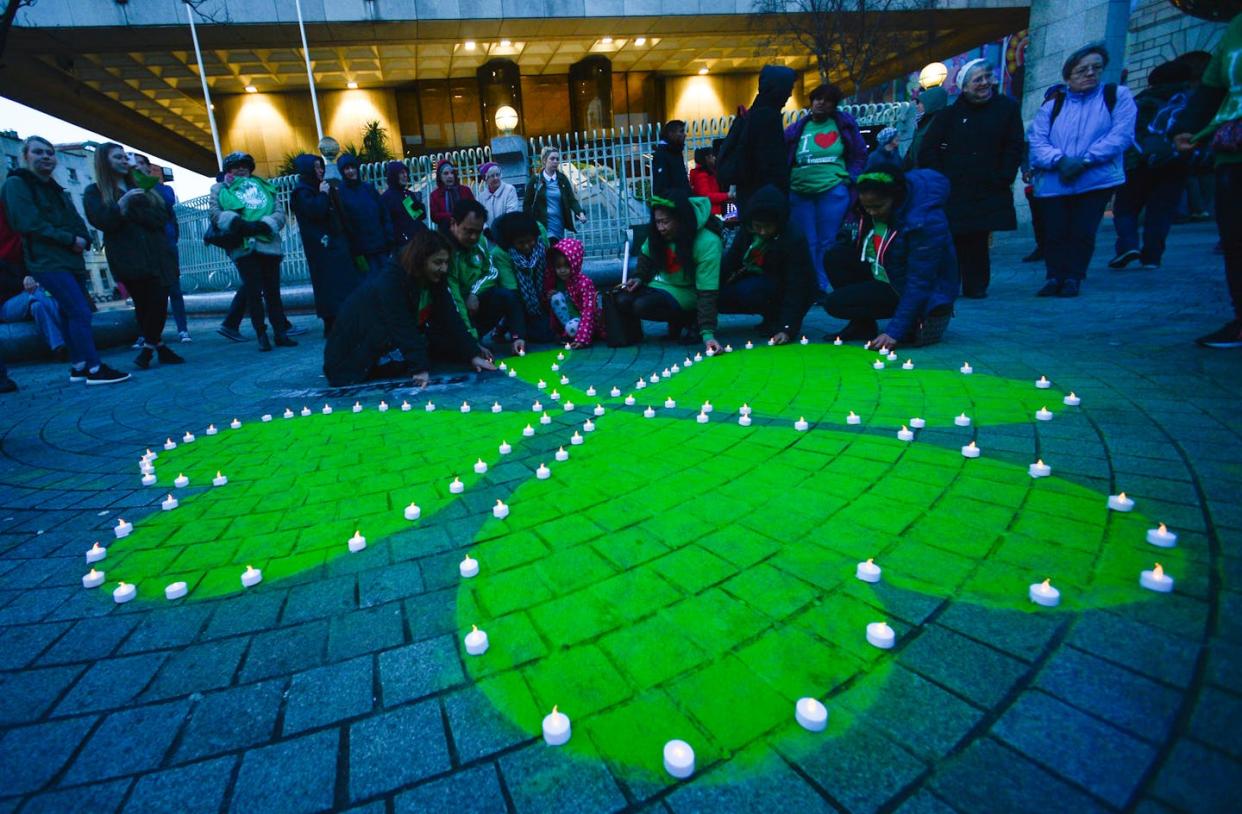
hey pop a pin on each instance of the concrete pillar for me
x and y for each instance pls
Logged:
(1057, 29)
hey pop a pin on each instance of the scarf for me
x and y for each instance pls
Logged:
(529, 277)
(253, 198)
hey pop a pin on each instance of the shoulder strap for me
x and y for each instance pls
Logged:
(1058, 102)
(1110, 96)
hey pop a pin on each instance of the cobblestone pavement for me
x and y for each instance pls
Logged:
(344, 686)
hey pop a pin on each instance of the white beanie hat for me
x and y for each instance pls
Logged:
(964, 72)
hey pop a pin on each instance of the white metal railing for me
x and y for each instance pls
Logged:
(610, 171)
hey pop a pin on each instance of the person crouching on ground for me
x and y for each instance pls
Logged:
(678, 275)
(520, 256)
(899, 263)
(571, 295)
(398, 319)
(484, 305)
(767, 269)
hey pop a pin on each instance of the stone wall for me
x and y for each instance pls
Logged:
(1159, 32)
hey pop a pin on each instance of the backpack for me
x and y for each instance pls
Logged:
(10, 241)
(1058, 102)
(729, 156)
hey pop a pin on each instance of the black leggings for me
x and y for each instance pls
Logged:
(973, 261)
(150, 297)
(856, 293)
(654, 305)
(260, 275)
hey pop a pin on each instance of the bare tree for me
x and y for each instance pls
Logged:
(7, 17)
(852, 40)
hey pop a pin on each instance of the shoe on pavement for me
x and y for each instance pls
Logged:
(264, 344)
(1051, 289)
(1035, 256)
(855, 329)
(105, 375)
(283, 341)
(294, 330)
(1124, 259)
(1069, 288)
(168, 356)
(184, 336)
(140, 344)
(1150, 267)
(230, 333)
(7, 385)
(77, 374)
(143, 359)
(1228, 336)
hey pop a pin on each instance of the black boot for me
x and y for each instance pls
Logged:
(168, 356)
(283, 341)
(143, 359)
(856, 329)
(264, 344)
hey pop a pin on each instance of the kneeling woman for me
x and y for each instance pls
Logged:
(678, 277)
(899, 262)
(396, 320)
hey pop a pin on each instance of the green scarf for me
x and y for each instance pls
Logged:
(252, 198)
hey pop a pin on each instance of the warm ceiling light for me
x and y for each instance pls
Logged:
(251, 89)
(606, 40)
(640, 41)
(702, 71)
(469, 45)
(352, 85)
(505, 43)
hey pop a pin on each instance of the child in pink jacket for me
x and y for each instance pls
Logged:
(571, 295)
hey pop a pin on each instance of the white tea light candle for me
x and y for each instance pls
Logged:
(456, 487)
(811, 715)
(1158, 537)
(962, 420)
(918, 423)
(1039, 469)
(500, 511)
(468, 567)
(169, 503)
(1120, 503)
(413, 512)
(556, 728)
(220, 479)
(678, 759)
(96, 553)
(181, 481)
(476, 641)
(1072, 400)
(971, 450)
(124, 593)
(1156, 580)
(251, 577)
(357, 542)
(880, 635)
(175, 590)
(1042, 593)
(92, 579)
(868, 571)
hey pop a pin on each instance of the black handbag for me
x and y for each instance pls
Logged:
(620, 329)
(221, 238)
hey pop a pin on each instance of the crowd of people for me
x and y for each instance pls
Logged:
(867, 235)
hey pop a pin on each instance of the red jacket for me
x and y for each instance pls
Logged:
(441, 208)
(704, 184)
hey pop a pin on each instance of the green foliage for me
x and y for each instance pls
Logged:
(374, 143)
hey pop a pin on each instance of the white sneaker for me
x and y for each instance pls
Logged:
(139, 345)
(185, 336)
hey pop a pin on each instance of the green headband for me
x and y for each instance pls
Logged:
(878, 177)
(656, 200)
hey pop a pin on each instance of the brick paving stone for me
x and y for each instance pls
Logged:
(111, 683)
(25, 696)
(365, 631)
(1200, 779)
(195, 789)
(129, 741)
(776, 788)
(411, 672)
(1217, 720)
(469, 791)
(1027, 788)
(293, 776)
(44, 748)
(548, 781)
(478, 728)
(245, 614)
(905, 696)
(283, 651)
(197, 669)
(173, 627)
(925, 803)
(20, 644)
(980, 673)
(90, 639)
(328, 694)
(392, 749)
(232, 719)
(92, 799)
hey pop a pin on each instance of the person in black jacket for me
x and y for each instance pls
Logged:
(767, 269)
(405, 209)
(366, 219)
(324, 239)
(399, 318)
(977, 142)
(763, 158)
(668, 159)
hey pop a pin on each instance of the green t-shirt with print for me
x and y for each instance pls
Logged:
(819, 161)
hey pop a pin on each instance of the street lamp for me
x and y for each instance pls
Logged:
(506, 120)
(933, 75)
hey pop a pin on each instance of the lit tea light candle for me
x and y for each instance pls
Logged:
(502, 366)
(465, 407)
(169, 503)
(1120, 503)
(188, 438)
(892, 357)
(528, 431)
(124, 593)
(701, 418)
(678, 759)
(801, 425)
(220, 479)
(480, 467)
(588, 426)
(413, 512)
(878, 364)
(962, 420)
(456, 487)
(536, 407)
(1154, 580)
(880, 635)
(235, 424)
(971, 450)
(383, 407)
(904, 434)
(1042, 383)
(615, 392)
(96, 553)
(1159, 537)
(556, 728)
(327, 409)
(357, 542)
(512, 373)
(675, 368)
(545, 419)
(1042, 593)
(837, 341)
(743, 420)
(640, 384)
(669, 403)
(287, 413)
(1043, 414)
(1039, 469)
(357, 408)
(749, 345)
(305, 411)
(251, 577)
(853, 418)
(569, 406)
(476, 641)
(175, 590)
(211, 429)
(710, 353)
(469, 567)
(649, 413)
(554, 395)
(500, 511)
(564, 380)
(590, 391)
(504, 448)
(599, 410)
(560, 357)
(562, 454)
(728, 348)
(917, 423)
(181, 481)
(698, 357)
(429, 407)
(148, 479)
(122, 528)
(1071, 400)
(868, 571)
(629, 401)
(744, 409)
(555, 367)
(687, 362)
(151, 456)
(576, 439)
(543, 473)
(406, 406)
(170, 444)
(541, 384)
(804, 341)
(967, 369)
(908, 364)
(811, 715)
(92, 579)
(667, 373)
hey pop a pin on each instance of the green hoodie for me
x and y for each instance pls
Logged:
(701, 292)
(470, 272)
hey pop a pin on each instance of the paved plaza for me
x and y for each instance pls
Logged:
(671, 579)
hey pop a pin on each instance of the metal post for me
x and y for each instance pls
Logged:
(202, 74)
(310, 75)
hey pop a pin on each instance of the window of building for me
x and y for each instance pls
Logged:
(545, 102)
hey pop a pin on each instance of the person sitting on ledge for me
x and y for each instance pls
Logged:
(896, 262)
(678, 275)
(398, 319)
(767, 269)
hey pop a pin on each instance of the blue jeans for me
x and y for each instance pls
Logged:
(1158, 190)
(40, 307)
(75, 315)
(177, 303)
(819, 217)
(752, 294)
(1071, 222)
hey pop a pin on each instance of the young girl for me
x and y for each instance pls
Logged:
(571, 295)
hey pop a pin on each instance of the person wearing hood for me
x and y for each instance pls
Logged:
(325, 239)
(897, 261)
(762, 155)
(571, 295)
(887, 153)
(54, 238)
(484, 305)
(246, 205)
(447, 193)
(703, 181)
(550, 197)
(1077, 163)
(929, 103)
(767, 269)
(366, 219)
(400, 318)
(497, 196)
(668, 159)
(977, 143)
(519, 255)
(826, 153)
(405, 209)
(678, 276)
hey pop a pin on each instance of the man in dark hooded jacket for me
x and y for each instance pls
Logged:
(767, 269)
(930, 102)
(668, 160)
(328, 259)
(405, 209)
(366, 220)
(763, 158)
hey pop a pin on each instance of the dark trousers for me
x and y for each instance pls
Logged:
(176, 303)
(1229, 223)
(260, 275)
(150, 297)
(376, 262)
(1156, 190)
(237, 309)
(856, 293)
(751, 294)
(973, 262)
(655, 305)
(1071, 224)
(497, 305)
(1037, 216)
(75, 315)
